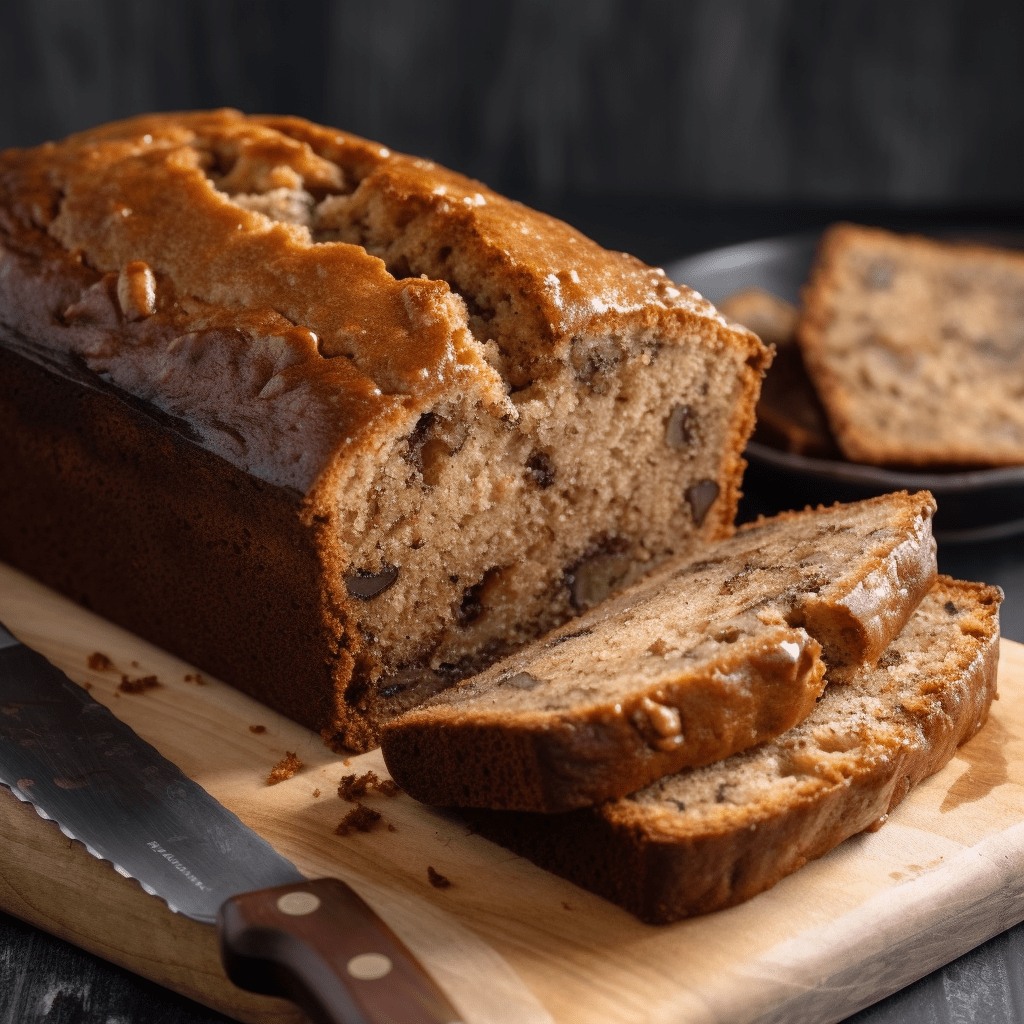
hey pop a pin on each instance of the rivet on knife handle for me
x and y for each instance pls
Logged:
(320, 944)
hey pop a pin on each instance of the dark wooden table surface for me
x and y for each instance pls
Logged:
(46, 981)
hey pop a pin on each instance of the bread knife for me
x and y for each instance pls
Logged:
(313, 941)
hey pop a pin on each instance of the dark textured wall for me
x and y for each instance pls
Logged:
(891, 101)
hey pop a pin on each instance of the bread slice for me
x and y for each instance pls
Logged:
(703, 659)
(334, 423)
(712, 837)
(790, 415)
(916, 348)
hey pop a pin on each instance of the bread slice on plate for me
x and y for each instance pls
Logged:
(703, 659)
(711, 837)
(790, 415)
(916, 348)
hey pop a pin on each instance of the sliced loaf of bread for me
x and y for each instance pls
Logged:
(916, 348)
(700, 660)
(711, 837)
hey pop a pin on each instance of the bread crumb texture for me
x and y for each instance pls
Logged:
(359, 819)
(138, 685)
(354, 787)
(286, 768)
(437, 880)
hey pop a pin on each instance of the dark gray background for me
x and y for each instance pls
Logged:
(638, 119)
(658, 127)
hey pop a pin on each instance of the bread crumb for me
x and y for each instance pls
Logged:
(359, 819)
(140, 685)
(437, 880)
(316, 792)
(288, 766)
(195, 677)
(391, 828)
(258, 729)
(99, 662)
(135, 664)
(355, 786)
(347, 761)
(87, 685)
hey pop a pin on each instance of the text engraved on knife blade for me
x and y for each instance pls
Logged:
(175, 863)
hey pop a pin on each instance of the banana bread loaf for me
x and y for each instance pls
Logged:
(711, 837)
(702, 659)
(336, 424)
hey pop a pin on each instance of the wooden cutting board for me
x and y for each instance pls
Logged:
(509, 942)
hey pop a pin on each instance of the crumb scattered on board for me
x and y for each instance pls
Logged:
(257, 729)
(347, 762)
(316, 792)
(195, 677)
(288, 766)
(87, 685)
(437, 880)
(140, 685)
(99, 662)
(355, 786)
(359, 819)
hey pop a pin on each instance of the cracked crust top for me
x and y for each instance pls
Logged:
(268, 270)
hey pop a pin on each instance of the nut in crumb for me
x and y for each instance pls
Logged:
(136, 291)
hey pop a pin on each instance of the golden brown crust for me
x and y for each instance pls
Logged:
(662, 863)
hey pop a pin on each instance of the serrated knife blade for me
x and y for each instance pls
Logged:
(315, 941)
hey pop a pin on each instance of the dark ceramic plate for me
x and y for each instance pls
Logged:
(984, 504)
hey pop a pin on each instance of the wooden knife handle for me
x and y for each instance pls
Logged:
(320, 945)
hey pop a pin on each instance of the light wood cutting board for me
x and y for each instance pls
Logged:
(509, 942)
